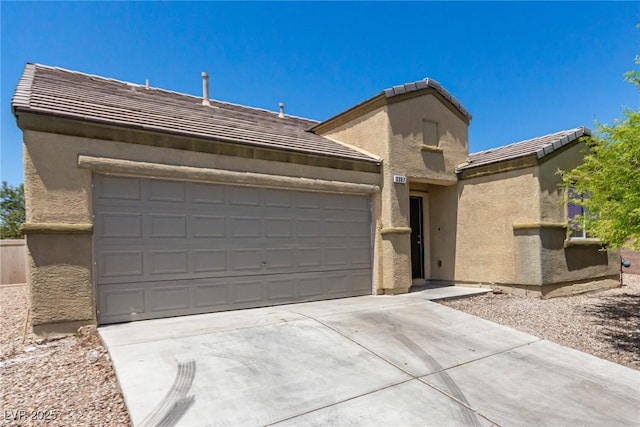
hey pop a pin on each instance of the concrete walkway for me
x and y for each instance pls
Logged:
(444, 292)
(362, 361)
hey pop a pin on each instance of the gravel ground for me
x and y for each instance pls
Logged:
(64, 382)
(71, 381)
(605, 324)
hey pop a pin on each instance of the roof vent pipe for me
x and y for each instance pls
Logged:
(281, 114)
(146, 84)
(205, 88)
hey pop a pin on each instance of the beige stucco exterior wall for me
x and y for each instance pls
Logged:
(58, 192)
(573, 260)
(519, 218)
(443, 208)
(394, 133)
(407, 152)
(488, 206)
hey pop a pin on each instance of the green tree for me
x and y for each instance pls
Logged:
(609, 178)
(11, 211)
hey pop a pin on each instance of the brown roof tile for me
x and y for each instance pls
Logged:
(540, 147)
(54, 91)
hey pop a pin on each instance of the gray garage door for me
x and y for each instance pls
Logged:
(169, 248)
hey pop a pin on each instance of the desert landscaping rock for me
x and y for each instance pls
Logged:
(605, 324)
(64, 382)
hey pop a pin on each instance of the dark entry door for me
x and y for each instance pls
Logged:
(417, 252)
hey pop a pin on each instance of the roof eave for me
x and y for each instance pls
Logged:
(22, 95)
(539, 154)
(469, 166)
(565, 140)
(144, 128)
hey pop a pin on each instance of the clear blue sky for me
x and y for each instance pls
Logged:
(521, 69)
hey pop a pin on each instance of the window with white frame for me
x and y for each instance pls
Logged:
(576, 215)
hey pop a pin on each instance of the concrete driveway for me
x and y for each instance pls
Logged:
(362, 361)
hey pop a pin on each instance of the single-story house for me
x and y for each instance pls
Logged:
(144, 203)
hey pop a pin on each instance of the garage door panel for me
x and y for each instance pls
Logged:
(120, 266)
(309, 257)
(208, 226)
(246, 260)
(119, 188)
(280, 289)
(120, 225)
(310, 288)
(360, 229)
(127, 302)
(167, 225)
(210, 295)
(169, 298)
(361, 281)
(277, 198)
(279, 259)
(308, 228)
(359, 204)
(336, 283)
(245, 196)
(242, 226)
(207, 194)
(336, 228)
(278, 227)
(168, 262)
(209, 260)
(360, 256)
(338, 202)
(121, 302)
(247, 291)
(165, 191)
(307, 200)
(194, 248)
(121, 263)
(336, 256)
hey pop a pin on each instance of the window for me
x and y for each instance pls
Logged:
(576, 215)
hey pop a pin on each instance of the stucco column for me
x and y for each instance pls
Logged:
(395, 238)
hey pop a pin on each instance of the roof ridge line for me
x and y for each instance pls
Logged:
(425, 83)
(165, 90)
(527, 140)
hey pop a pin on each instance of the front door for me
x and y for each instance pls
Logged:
(417, 251)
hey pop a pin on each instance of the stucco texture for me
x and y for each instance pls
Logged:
(406, 154)
(573, 260)
(394, 132)
(488, 207)
(60, 279)
(518, 217)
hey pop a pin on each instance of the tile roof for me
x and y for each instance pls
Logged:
(539, 147)
(401, 89)
(74, 95)
(424, 84)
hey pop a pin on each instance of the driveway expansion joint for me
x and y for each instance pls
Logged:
(340, 401)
